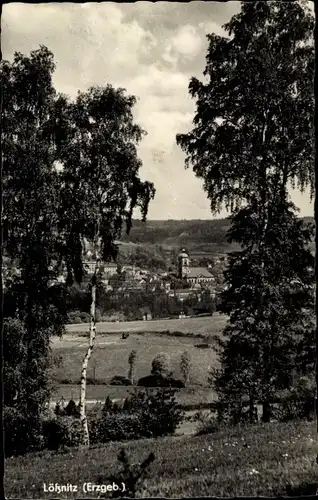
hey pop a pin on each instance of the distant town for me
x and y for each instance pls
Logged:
(184, 283)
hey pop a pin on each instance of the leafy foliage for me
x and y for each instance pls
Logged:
(101, 187)
(159, 412)
(256, 109)
(185, 367)
(252, 139)
(33, 304)
(62, 432)
(120, 380)
(147, 413)
(161, 365)
(271, 331)
(132, 365)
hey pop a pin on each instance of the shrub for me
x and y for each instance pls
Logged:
(108, 405)
(93, 417)
(161, 365)
(144, 414)
(74, 317)
(297, 403)
(119, 427)
(120, 380)
(207, 423)
(131, 475)
(62, 431)
(159, 412)
(71, 409)
(292, 409)
(132, 366)
(160, 381)
(185, 366)
(85, 317)
(22, 434)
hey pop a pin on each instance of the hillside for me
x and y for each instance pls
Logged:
(265, 460)
(198, 236)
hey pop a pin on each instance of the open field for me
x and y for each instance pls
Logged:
(187, 396)
(111, 358)
(111, 352)
(204, 325)
(270, 460)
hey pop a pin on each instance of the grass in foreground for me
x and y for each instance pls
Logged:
(263, 460)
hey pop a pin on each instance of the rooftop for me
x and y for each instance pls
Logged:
(198, 272)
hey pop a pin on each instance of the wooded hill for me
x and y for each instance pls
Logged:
(198, 236)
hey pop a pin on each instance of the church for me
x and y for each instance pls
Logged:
(193, 275)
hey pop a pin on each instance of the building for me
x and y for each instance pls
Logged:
(193, 275)
(109, 268)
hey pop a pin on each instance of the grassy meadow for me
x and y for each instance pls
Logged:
(202, 325)
(270, 460)
(110, 354)
(189, 396)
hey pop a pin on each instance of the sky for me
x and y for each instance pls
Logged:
(150, 49)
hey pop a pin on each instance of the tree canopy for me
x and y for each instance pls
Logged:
(253, 128)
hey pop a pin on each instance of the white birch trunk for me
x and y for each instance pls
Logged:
(92, 335)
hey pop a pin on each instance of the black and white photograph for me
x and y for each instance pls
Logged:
(158, 249)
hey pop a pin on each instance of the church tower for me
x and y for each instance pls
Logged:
(183, 264)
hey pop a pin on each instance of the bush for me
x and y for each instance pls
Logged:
(144, 414)
(159, 412)
(160, 381)
(94, 415)
(85, 317)
(119, 427)
(292, 409)
(131, 475)
(120, 380)
(204, 345)
(22, 434)
(207, 423)
(71, 409)
(297, 403)
(61, 432)
(74, 317)
(161, 365)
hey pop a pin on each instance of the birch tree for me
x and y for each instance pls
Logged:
(32, 306)
(101, 189)
(252, 140)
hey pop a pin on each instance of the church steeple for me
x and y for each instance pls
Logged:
(183, 263)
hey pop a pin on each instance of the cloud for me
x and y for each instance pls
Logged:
(185, 43)
(152, 50)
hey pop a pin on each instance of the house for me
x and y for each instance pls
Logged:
(89, 266)
(109, 268)
(181, 293)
